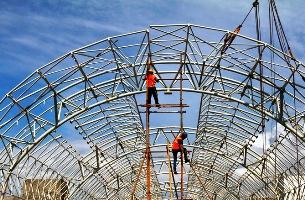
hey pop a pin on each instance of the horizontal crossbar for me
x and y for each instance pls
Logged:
(164, 105)
(164, 111)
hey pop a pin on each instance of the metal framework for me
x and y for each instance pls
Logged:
(247, 91)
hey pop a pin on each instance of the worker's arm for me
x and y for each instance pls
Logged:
(156, 79)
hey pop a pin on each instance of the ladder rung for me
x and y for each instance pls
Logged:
(164, 111)
(169, 79)
(164, 105)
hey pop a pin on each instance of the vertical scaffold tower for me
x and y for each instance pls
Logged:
(148, 112)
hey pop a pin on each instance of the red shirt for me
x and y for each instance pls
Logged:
(151, 80)
(177, 143)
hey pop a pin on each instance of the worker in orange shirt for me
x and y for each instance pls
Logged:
(177, 146)
(151, 80)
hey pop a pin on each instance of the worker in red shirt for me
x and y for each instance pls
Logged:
(177, 146)
(151, 80)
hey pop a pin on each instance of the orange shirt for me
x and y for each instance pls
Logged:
(176, 143)
(151, 80)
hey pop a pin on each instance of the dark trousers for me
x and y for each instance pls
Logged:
(175, 154)
(152, 91)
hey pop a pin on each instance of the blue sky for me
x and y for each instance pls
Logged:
(34, 32)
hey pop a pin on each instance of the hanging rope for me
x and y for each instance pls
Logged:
(296, 138)
(279, 28)
(227, 41)
(261, 74)
(274, 20)
(229, 37)
(274, 108)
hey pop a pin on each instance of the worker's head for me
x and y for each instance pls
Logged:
(183, 135)
(150, 71)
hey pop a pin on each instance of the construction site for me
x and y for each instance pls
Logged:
(177, 112)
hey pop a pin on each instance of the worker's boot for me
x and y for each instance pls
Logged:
(175, 171)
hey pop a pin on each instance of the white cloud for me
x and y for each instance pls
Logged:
(266, 139)
(240, 171)
(81, 146)
(28, 41)
(262, 140)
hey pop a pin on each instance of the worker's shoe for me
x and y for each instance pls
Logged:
(187, 160)
(158, 105)
(175, 172)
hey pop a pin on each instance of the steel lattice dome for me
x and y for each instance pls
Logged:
(237, 97)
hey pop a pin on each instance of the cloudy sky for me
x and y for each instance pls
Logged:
(34, 32)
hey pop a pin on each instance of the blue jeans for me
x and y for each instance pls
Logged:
(152, 91)
(175, 154)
